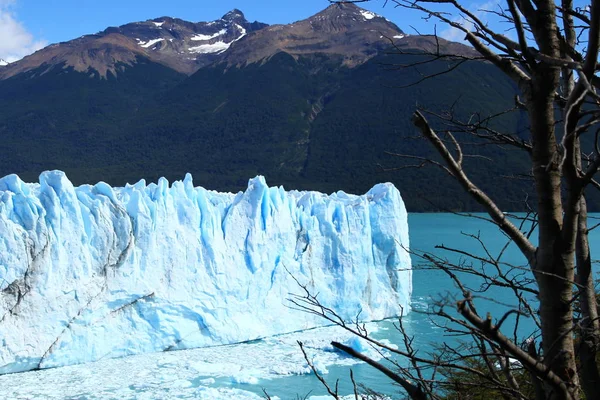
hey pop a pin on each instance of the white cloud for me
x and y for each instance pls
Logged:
(15, 41)
(479, 10)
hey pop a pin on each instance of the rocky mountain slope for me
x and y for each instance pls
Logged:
(341, 29)
(180, 45)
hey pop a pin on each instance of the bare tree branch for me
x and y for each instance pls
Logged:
(497, 215)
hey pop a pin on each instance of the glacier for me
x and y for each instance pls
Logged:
(95, 272)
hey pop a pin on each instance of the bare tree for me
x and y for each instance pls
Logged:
(551, 53)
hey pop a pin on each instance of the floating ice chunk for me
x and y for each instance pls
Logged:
(357, 344)
(178, 374)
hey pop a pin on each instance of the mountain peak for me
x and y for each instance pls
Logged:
(347, 10)
(347, 16)
(341, 30)
(234, 15)
(343, 5)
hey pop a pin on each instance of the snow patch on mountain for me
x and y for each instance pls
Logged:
(242, 30)
(199, 37)
(217, 47)
(367, 14)
(149, 43)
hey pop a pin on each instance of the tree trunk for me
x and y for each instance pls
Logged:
(590, 326)
(555, 259)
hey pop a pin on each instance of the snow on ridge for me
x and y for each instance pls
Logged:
(200, 36)
(368, 14)
(3, 63)
(158, 24)
(149, 43)
(242, 30)
(217, 47)
(400, 36)
(147, 268)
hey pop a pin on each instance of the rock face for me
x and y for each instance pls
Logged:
(91, 272)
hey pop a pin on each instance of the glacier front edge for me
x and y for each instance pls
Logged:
(92, 272)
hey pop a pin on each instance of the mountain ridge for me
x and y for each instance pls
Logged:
(340, 29)
(178, 44)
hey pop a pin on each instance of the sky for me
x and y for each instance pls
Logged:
(28, 25)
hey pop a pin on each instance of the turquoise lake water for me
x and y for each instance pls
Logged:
(243, 371)
(426, 232)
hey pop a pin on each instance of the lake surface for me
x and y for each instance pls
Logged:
(275, 364)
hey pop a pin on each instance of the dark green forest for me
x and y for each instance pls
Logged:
(306, 123)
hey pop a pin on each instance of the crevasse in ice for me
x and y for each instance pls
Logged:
(92, 272)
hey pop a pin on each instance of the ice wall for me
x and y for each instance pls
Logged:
(92, 272)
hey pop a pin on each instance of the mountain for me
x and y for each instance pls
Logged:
(180, 45)
(147, 268)
(3, 63)
(341, 29)
(317, 104)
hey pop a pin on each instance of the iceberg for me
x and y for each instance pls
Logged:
(95, 272)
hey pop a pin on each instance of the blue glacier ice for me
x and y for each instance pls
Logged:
(94, 272)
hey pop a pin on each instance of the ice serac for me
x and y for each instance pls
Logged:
(92, 272)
